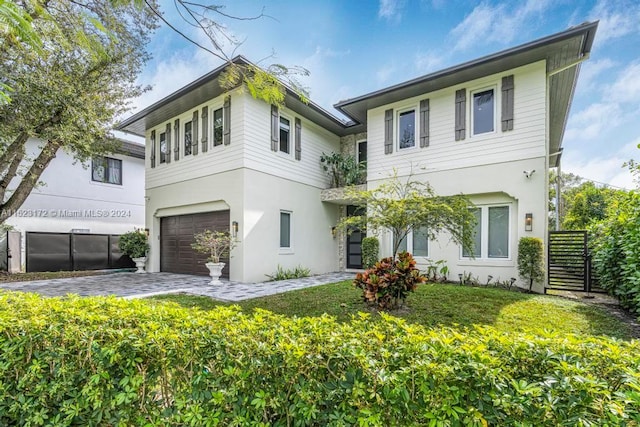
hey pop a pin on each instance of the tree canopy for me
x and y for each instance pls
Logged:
(402, 205)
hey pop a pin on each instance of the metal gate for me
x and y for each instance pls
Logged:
(569, 262)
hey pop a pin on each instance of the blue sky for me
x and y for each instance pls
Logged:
(352, 47)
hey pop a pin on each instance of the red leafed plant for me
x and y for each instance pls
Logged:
(388, 283)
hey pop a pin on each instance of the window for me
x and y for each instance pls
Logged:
(107, 170)
(285, 132)
(407, 129)
(187, 138)
(416, 242)
(217, 127)
(362, 152)
(491, 237)
(483, 112)
(285, 230)
(163, 147)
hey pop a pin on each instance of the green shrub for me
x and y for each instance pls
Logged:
(108, 361)
(284, 274)
(389, 282)
(134, 243)
(343, 169)
(531, 259)
(370, 251)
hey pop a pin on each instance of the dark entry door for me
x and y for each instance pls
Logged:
(176, 237)
(354, 241)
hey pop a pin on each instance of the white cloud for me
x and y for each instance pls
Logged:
(626, 88)
(591, 70)
(384, 73)
(603, 169)
(391, 10)
(499, 23)
(590, 123)
(429, 61)
(617, 19)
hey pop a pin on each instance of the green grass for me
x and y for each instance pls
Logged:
(442, 305)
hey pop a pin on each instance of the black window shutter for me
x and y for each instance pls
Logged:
(205, 129)
(298, 139)
(153, 149)
(274, 128)
(168, 153)
(176, 137)
(388, 131)
(461, 110)
(226, 120)
(424, 123)
(194, 133)
(507, 103)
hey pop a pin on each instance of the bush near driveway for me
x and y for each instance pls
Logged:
(108, 361)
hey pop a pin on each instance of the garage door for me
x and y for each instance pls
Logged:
(176, 237)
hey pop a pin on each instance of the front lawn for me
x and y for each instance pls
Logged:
(442, 305)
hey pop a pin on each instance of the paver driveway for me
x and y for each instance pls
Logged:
(132, 285)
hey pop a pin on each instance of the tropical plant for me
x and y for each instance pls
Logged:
(402, 206)
(343, 169)
(134, 243)
(388, 283)
(531, 259)
(286, 274)
(370, 251)
(216, 244)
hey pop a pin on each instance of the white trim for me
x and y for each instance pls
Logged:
(280, 127)
(211, 129)
(398, 112)
(472, 92)
(484, 236)
(285, 249)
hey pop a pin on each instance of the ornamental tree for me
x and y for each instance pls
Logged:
(403, 205)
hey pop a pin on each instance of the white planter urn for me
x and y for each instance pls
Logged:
(140, 262)
(215, 270)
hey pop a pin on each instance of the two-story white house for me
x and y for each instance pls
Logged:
(489, 128)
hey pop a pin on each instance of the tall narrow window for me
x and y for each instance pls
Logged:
(217, 127)
(163, 147)
(483, 112)
(476, 250)
(420, 242)
(285, 135)
(188, 138)
(499, 232)
(107, 170)
(285, 230)
(407, 129)
(362, 152)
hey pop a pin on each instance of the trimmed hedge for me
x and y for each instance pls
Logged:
(107, 361)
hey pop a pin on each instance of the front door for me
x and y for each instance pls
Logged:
(354, 241)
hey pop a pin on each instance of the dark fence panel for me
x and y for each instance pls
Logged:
(90, 251)
(48, 252)
(569, 262)
(116, 258)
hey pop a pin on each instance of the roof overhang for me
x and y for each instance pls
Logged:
(208, 87)
(563, 53)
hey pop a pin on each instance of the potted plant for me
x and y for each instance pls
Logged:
(136, 245)
(216, 244)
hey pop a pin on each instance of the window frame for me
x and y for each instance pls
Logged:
(285, 249)
(163, 156)
(484, 235)
(472, 93)
(105, 160)
(214, 109)
(184, 138)
(399, 112)
(409, 238)
(362, 141)
(280, 124)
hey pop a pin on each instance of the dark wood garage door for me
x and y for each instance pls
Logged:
(176, 237)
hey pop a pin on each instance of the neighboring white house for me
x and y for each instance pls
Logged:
(224, 160)
(105, 196)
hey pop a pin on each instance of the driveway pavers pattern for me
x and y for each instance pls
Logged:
(132, 285)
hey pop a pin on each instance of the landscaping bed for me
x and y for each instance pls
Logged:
(46, 275)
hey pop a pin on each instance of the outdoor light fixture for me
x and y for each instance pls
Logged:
(334, 231)
(528, 222)
(234, 228)
(460, 277)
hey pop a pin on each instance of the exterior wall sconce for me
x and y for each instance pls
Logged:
(528, 222)
(234, 228)
(334, 231)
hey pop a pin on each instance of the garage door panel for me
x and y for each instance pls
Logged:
(176, 237)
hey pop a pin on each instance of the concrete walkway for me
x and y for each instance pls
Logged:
(132, 285)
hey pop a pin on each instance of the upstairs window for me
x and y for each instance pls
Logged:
(188, 138)
(285, 135)
(217, 127)
(407, 129)
(107, 170)
(483, 112)
(362, 152)
(163, 147)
